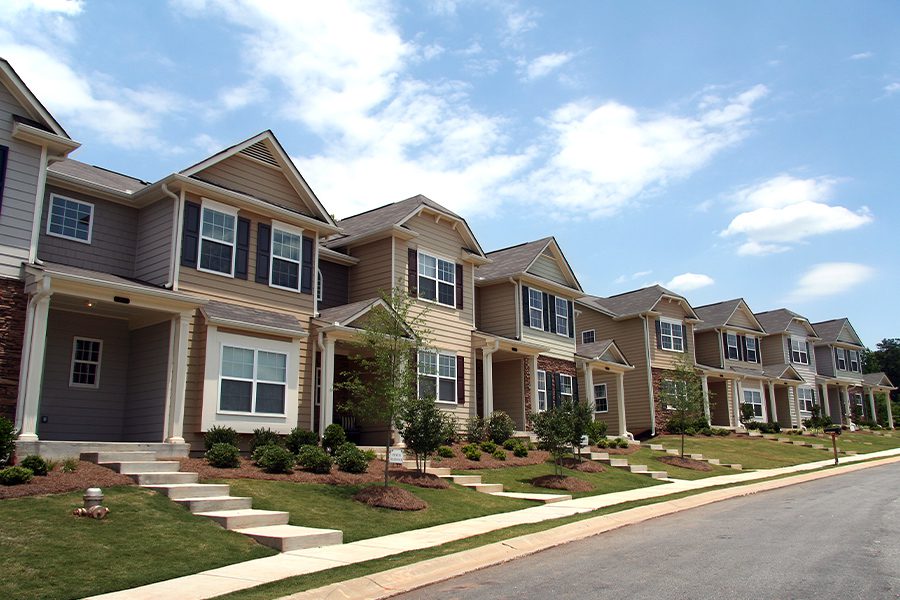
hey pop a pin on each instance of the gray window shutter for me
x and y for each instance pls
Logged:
(306, 265)
(412, 272)
(190, 234)
(526, 314)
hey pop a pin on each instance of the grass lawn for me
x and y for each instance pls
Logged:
(646, 456)
(333, 507)
(516, 479)
(860, 441)
(751, 453)
(48, 553)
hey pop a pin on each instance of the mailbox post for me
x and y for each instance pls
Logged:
(834, 430)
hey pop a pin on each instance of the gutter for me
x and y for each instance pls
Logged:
(177, 217)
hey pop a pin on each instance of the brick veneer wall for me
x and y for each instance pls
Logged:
(661, 413)
(556, 365)
(526, 377)
(13, 301)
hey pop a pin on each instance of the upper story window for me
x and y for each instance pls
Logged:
(541, 391)
(287, 244)
(601, 404)
(562, 316)
(70, 219)
(535, 309)
(799, 351)
(731, 350)
(671, 335)
(854, 361)
(86, 363)
(217, 235)
(437, 376)
(588, 337)
(437, 280)
(841, 357)
(750, 344)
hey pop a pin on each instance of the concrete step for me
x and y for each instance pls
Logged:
(848, 452)
(142, 466)
(164, 477)
(463, 479)
(638, 468)
(104, 457)
(658, 447)
(673, 452)
(713, 461)
(214, 503)
(783, 440)
(657, 474)
(734, 466)
(245, 518)
(695, 456)
(754, 433)
(617, 462)
(545, 498)
(818, 446)
(178, 491)
(439, 471)
(800, 443)
(485, 488)
(285, 538)
(599, 455)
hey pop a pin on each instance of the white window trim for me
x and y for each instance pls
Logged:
(728, 346)
(85, 386)
(801, 350)
(802, 400)
(762, 403)
(540, 309)
(839, 355)
(207, 204)
(598, 396)
(858, 360)
(571, 387)
(565, 330)
(593, 335)
(537, 386)
(284, 227)
(663, 336)
(254, 380)
(68, 237)
(437, 280)
(676, 383)
(438, 377)
(858, 399)
(755, 349)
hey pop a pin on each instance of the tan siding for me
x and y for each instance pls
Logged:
(508, 391)
(774, 350)
(196, 371)
(741, 319)
(666, 359)
(707, 349)
(547, 267)
(611, 417)
(372, 274)
(808, 372)
(498, 309)
(154, 242)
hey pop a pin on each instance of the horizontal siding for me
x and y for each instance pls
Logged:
(372, 275)
(509, 395)
(146, 404)
(665, 359)
(741, 319)
(611, 417)
(547, 267)
(335, 284)
(774, 350)
(153, 249)
(497, 309)
(707, 349)
(825, 360)
(558, 346)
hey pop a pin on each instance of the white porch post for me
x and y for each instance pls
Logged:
(589, 386)
(620, 403)
(873, 415)
(533, 364)
(826, 403)
(736, 402)
(890, 413)
(326, 402)
(32, 367)
(795, 390)
(175, 418)
(845, 400)
(772, 400)
(487, 381)
(704, 381)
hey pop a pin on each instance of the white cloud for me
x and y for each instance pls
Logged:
(892, 88)
(687, 282)
(861, 55)
(830, 279)
(784, 211)
(545, 64)
(637, 275)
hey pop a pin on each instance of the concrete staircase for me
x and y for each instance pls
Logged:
(700, 457)
(805, 444)
(214, 501)
(622, 463)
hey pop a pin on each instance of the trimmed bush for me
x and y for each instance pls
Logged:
(70, 465)
(500, 427)
(220, 435)
(351, 459)
(471, 452)
(597, 431)
(264, 436)
(7, 441)
(314, 459)
(720, 431)
(622, 443)
(445, 452)
(259, 451)
(499, 454)
(488, 446)
(333, 437)
(15, 476)
(520, 450)
(275, 459)
(370, 455)
(449, 429)
(475, 430)
(511, 443)
(298, 438)
(35, 464)
(223, 456)
(602, 443)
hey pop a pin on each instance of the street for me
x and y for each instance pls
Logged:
(834, 538)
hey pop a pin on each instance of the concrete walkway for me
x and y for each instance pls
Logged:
(215, 582)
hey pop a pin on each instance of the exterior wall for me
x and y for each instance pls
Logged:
(741, 319)
(13, 302)
(547, 267)
(611, 417)
(153, 248)
(508, 390)
(808, 372)
(144, 416)
(666, 359)
(774, 350)
(19, 191)
(335, 284)
(497, 309)
(825, 360)
(373, 273)
(784, 402)
(193, 393)
(720, 402)
(559, 346)
(707, 348)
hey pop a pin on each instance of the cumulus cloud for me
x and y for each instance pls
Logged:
(779, 213)
(637, 275)
(861, 55)
(545, 64)
(687, 282)
(830, 279)
(892, 88)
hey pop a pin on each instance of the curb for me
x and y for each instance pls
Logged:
(407, 578)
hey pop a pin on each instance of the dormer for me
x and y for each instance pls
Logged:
(839, 350)
(729, 335)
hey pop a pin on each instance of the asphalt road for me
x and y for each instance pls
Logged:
(838, 537)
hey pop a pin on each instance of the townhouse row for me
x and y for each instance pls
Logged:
(225, 294)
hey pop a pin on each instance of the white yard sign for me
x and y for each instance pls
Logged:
(396, 456)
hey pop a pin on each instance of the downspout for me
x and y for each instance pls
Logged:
(649, 375)
(321, 346)
(38, 208)
(177, 218)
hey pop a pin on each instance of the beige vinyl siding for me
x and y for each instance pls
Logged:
(774, 350)
(255, 179)
(372, 274)
(113, 235)
(153, 248)
(743, 365)
(611, 417)
(497, 309)
(508, 390)
(17, 214)
(146, 405)
(666, 359)
(547, 267)
(741, 319)
(707, 349)
(808, 372)
(558, 346)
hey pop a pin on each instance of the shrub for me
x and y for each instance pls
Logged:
(449, 429)
(264, 436)
(7, 441)
(688, 426)
(223, 456)
(445, 452)
(298, 438)
(35, 464)
(488, 446)
(511, 443)
(622, 443)
(275, 459)
(499, 454)
(370, 455)
(314, 459)
(220, 435)
(421, 424)
(706, 431)
(70, 465)
(500, 427)
(475, 430)
(597, 431)
(521, 451)
(333, 437)
(471, 452)
(15, 475)
(257, 453)
(720, 431)
(351, 459)
(603, 443)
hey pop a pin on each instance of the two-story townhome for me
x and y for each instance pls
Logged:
(840, 370)
(654, 328)
(735, 372)
(430, 252)
(30, 140)
(162, 309)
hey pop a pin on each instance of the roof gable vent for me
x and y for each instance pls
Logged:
(261, 152)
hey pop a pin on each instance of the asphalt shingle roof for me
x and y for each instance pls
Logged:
(511, 261)
(216, 310)
(716, 315)
(594, 349)
(830, 330)
(634, 302)
(340, 314)
(98, 175)
(778, 320)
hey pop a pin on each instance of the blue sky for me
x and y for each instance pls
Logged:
(721, 149)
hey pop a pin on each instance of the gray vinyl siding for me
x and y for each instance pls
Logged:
(17, 212)
(808, 372)
(153, 249)
(497, 309)
(335, 284)
(112, 238)
(373, 273)
(825, 360)
(774, 350)
(146, 404)
(84, 413)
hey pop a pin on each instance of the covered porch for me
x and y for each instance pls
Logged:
(875, 383)
(835, 397)
(601, 369)
(782, 395)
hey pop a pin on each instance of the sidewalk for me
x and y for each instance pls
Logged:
(208, 584)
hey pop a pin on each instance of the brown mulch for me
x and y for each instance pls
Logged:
(392, 497)
(461, 463)
(423, 480)
(585, 466)
(685, 463)
(562, 482)
(631, 449)
(56, 482)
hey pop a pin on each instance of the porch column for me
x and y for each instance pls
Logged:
(326, 403)
(487, 379)
(175, 419)
(589, 386)
(795, 390)
(845, 400)
(620, 402)
(826, 403)
(31, 371)
(890, 412)
(872, 405)
(736, 402)
(704, 381)
(774, 418)
(533, 364)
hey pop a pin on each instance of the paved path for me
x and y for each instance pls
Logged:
(818, 540)
(208, 584)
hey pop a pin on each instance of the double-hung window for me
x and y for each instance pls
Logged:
(565, 387)
(841, 356)
(252, 381)
(86, 363)
(731, 351)
(70, 219)
(854, 361)
(601, 404)
(671, 335)
(437, 376)
(437, 280)
(535, 309)
(541, 391)
(588, 337)
(217, 236)
(672, 389)
(858, 399)
(750, 345)
(799, 354)
(287, 244)
(754, 399)
(806, 399)
(562, 317)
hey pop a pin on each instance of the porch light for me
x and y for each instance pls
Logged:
(89, 303)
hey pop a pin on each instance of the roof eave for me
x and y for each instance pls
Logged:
(59, 144)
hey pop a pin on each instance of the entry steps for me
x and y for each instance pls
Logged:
(824, 446)
(700, 457)
(214, 501)
(620, 462)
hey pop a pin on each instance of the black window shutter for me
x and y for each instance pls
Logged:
(412, 272)
(808, 359)
(684, 337)
(552, 303)
(190, 234)
(4, 156)
(546, 301)
(557, 397)
(790, 353)
(460, 380)
(813, 390)
(658, 335)
(759, 350)
(725, 343)
(414, 360)
(263, 252)
(459, 286)
(306, 265)
(575, 388)
(571, 319)
(526, 314)
(242, 252)
(742, 347)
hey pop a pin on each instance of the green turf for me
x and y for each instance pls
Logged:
(750, 453)
(646, 456)
(859, 441)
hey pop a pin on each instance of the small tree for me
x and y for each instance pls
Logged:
(553, 428)
(682, 390)
(422, 425)
(582, 416)
(747, 412)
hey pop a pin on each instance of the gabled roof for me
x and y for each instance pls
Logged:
(830, 331)
(877, 379)
(345, 314)
(779, 320)
(28, 100)
(516, 260)
(637, 302)
(223, 313)
(719, 314)
(595, 351)
(782, 371)
(73, 169)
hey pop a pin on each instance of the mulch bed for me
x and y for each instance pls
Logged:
(56, 482)
(392, 497)
(562, 482)
(461, 463)
(423, 480)
(631, 449)
(585, 466)
(685, 463)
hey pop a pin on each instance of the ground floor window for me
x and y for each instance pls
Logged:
(807, 401)
(565, 387)
(671, 388)
(541, 391)
(86, 363)
(437, 376)
(754, 399)
(252, 381)
(601, 404)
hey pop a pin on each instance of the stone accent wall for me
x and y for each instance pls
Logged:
(526, 376)
(13, 302)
